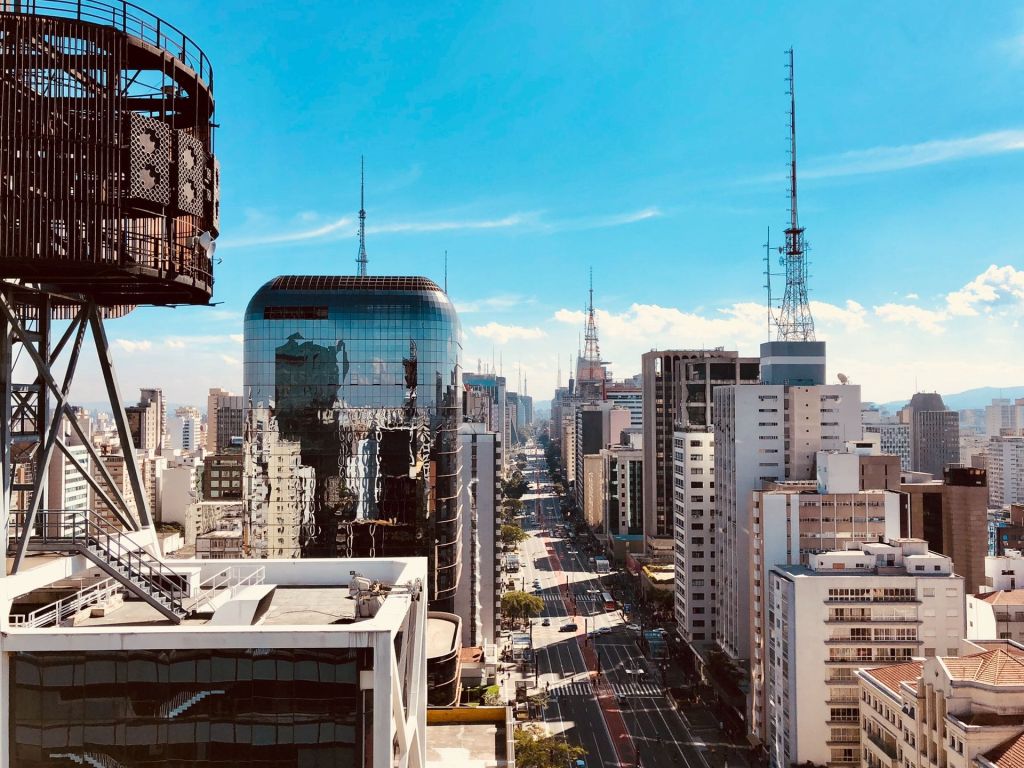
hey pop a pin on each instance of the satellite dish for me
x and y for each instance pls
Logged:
(843, 378)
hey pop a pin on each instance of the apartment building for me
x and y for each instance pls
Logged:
(877, 603)
(693, 462)
(955, 712)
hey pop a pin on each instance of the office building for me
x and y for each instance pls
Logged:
(148, 420)
(894, 440)
(1004, 461)
(934, 433)
(621, 500)
(793, 521)
(958, 712)
(477, 602)
(766, 434)
(364, 373)
(951, 515)
(876, 604)
(224, 415)
(628, 394)
(693, 461)
(223, 476)
(678, 387)
(332, 673)
(185, 429)
(598, 425)
(1004, 417)
(494, 388)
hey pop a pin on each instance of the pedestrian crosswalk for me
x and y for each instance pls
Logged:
(585, 688)
(637, 689)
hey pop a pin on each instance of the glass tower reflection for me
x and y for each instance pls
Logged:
(363, 374)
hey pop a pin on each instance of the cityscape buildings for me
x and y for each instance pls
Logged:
(934, 433)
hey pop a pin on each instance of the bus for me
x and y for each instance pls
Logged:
(608, 600)
(512, 563)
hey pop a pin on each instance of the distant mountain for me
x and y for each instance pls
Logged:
(972, 398)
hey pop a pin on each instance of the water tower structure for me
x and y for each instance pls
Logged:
(109, 195)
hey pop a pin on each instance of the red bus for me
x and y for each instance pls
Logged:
(609, 602)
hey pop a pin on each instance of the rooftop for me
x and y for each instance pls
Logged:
(352, 283)
(1002, 597)
(1009, 754)
(997, 667)
(892, 675)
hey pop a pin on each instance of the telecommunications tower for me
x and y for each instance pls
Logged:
(794, 321)
(109, 200)
(361, 257)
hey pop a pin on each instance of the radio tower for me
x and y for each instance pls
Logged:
(591, 350)
(361, 258)
(590, 372)
(795, 322)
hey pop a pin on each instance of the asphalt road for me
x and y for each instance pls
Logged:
(661, 736)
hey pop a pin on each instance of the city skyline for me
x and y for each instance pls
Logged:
(648, 143)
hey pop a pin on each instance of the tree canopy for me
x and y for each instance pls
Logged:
(511, 534)
(535, 749)
(521, 605)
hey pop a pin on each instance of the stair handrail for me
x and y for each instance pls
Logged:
(57, 611)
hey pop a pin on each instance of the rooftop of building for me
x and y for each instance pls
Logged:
(352, 283)
(481, 737)
(997, 667)
(442, 633)
(892, 676)
(1009, 754)
(1002, 597)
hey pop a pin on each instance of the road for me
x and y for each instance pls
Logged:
(661, 736)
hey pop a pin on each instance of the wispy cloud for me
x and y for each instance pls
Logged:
(316, 233)
(513, 220)
(493, 303)
(897, 158)
(130, 346)
(502, 334)
(603, 221)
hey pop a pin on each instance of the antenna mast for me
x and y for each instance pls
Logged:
(361, 257)
(795, 322)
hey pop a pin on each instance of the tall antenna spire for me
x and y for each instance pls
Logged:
(795, 322)
(361, 257)
(592, 351)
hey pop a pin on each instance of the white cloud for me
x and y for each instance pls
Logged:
(229, 360)
(502, 334)
(492, 303)
(993, 286)
(175, 343)
(912, 297)
(513, 220)
(317, 233)
(927, 320)
(237, 338)
(130, 346)
(850, 317)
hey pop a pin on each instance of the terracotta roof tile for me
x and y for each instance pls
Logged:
(1003, 597)
(892, 675)
(1009, 754)
(993, 667)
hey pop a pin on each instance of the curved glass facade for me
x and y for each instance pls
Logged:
(363, 374)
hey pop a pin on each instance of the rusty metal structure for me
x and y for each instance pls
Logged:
(109, 195)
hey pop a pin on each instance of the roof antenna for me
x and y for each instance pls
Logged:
(361, 258)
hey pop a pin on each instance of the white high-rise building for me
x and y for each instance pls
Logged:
(876, 604)
(190, 424)
(766, 433)
(1003, 416)
(693, 462)
(792, 522)
(894, 440)
(476, 601)
(1004, 460)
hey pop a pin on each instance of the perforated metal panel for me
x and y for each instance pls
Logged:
(149, 151)
(191, 163)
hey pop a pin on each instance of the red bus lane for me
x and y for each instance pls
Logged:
(610, 710)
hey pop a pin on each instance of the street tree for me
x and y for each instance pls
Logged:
(535, 749)
(521, 605)
(511, 534)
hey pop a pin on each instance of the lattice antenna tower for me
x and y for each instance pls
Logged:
(591, 350)
(794, 321)
(361, 257)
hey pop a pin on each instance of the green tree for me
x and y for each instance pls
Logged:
(510, 508)
(535, 749)
(521, 605)
(511, 534)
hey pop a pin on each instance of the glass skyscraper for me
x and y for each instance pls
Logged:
(364, 375)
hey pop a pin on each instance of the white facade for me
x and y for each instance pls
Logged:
(764, 434)
(630, 398)
(693, 463)
(1003, 416)
(791, 524)
(378, 644)
(882, 603)
(476, 600)
(189, 428)
(1004, 460)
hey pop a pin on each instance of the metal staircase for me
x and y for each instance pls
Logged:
(114, 552)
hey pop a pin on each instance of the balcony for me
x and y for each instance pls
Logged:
(888, 748)
(866, 641)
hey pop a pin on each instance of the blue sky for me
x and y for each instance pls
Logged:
(535, 140)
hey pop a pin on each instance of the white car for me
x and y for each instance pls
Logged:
(633, 627)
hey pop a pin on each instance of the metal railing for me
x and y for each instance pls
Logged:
(126, 17)
(85, 530)
(54, 613)
(230, 579)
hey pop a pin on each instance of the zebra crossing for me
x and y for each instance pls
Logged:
(585, 688)
(637, 689)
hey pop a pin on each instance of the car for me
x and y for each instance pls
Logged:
(633, 627)
(579, 762)
(569, 627)
(602, 630)
(546, 622)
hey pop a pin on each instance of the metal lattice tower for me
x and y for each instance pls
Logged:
(794, 321)
(591, 349)
(361, 257)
